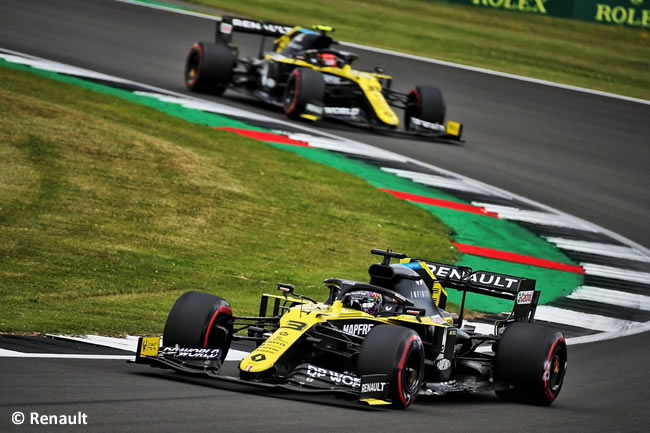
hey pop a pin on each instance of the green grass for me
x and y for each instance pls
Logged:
(109, 210)
(608, 58)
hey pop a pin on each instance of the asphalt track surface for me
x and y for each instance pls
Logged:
(583, 154)
(605, 390)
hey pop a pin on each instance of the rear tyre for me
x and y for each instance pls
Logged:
(304, 86)
(397, 352)
(209, 67)
(199, 320)
(425, 103)
(533, 359)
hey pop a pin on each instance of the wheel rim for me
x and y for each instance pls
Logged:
(192, 68)
(291, 93)
(558, 362)
(411, 376)
(410, 110)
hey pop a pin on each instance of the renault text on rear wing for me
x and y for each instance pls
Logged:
(228, 25)
(482, 282)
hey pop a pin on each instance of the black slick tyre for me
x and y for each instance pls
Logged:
(208, 67)
(532, 359)
(304, 86)
(397, 352)
(199, 320)
(425, 103)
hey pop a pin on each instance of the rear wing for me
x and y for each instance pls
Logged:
(482, 282)
(228, 25)
(520, 290)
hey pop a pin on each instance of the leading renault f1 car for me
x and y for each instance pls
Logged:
(384, 342)
(310, 79)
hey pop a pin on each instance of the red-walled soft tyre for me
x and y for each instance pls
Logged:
(304, 86)
(199, 320)
(209, 67)
(397, 352)
(532, 359)
(425, 103)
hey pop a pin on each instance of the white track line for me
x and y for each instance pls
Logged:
(130, 343)
(456, 183)
(600, 249)
(203, 105)
(636, 329)
(537, 217)
(611, 297)
(347, 147)
(616, 273)
(419, 58)
(60, 68)
(582, 320)
(13, 354)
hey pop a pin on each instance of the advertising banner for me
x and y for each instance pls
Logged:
(633, 13)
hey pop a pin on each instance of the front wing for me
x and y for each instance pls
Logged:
(305, 378)
(451, 132)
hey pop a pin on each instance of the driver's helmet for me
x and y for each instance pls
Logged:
(327, 59)
(364, 300)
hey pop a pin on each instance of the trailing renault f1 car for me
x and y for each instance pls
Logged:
(310, 79)
(383, 342)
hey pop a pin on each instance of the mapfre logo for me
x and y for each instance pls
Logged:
(358, 328)
(525, 297)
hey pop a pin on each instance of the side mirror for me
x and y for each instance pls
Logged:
(414, 311)
(287, 289)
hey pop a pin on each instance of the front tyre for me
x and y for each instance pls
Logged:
(304, 87)
(425, 103)
(532, 359)
(209, 67)
(199, 320)
(398, 353)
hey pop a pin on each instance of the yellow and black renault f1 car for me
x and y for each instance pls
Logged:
(384, 342)
(310, 79)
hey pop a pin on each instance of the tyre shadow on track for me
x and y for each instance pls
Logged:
(460, 398)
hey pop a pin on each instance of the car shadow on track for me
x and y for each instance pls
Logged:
(230, 369)
(330, 126)
(460, 398)
(241, 387)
